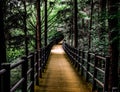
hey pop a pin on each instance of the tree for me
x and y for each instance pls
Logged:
(2, 34)
(2, 37)
(114, 43)
(75, 23)
(46, 24)
(38, 31)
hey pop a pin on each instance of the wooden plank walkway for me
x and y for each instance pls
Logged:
(60, 76)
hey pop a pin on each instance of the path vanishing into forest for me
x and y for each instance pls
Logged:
(59, 75)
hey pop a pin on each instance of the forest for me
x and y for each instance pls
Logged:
(89, 25)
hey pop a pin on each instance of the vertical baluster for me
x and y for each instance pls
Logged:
(32, 72)
(115, 89)
(76, 62)
(40, 64)
(6, 78)
(46, 54)
(79, 60)
(37, 66)
(44, 57)
(105, 89)
(24, 74)
(41, 59)
(88, 66)
(82, 63)
(73, 55)
(95, 73)
(70, 50)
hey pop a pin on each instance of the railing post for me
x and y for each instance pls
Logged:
(50, 47)
(46, 55)
(73, 56)
(32, 72)
(40, 64)
(6, 78)
(83, 55)
(78, 60)
(1, 82)
(115, 89)
(95, 73)
(37, 66)
(44, 59)
(106, 74)
(88, 66)
(24, 73)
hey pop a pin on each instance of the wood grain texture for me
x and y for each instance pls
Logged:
(60, 76)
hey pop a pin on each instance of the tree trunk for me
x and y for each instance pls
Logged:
(25, 27)
(2, 40)
(91, 22)
(75, 24)
(103, 15)
(38, 31)
(2, 35)
(45, 22)
(114, 44)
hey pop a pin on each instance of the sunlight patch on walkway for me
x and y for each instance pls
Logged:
(57, 50)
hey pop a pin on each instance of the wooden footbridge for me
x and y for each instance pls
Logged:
(65, 67)
(50, 69)
(59, 75)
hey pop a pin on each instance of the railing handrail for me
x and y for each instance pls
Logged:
(2, 71)
(33, 59)
(82, 61)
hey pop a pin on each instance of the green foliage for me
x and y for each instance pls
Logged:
(14, 28)
(13, 53)
(14, 25)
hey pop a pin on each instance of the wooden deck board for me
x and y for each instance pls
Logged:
(59, 75)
